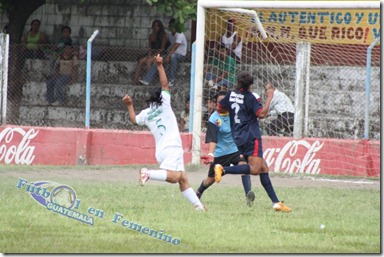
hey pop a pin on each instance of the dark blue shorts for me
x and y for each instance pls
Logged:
(252, 148)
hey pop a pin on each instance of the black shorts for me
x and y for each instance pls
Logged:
(225, 160)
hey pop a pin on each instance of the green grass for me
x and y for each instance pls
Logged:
(351, 218)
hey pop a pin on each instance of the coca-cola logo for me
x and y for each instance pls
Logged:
(21, 152)
(287, 160)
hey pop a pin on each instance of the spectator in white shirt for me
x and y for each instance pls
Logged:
(283, 108)
(232, 40)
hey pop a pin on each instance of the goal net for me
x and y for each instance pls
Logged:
(316, 57)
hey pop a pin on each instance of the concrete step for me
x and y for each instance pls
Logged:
(38, 70)
(62, 116)
(107, 108)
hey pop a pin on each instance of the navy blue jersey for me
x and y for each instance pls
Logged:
(243, 109)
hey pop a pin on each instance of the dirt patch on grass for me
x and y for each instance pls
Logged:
(130, 174)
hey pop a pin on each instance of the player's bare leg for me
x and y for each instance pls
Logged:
(188, 192)
(173, 177)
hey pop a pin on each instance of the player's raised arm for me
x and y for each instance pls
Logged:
(131, 111)
(162, 75)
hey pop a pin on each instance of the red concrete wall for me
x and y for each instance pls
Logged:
(70, 146)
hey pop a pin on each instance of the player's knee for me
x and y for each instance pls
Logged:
(183, 179)
(255, 169)
(175, 178)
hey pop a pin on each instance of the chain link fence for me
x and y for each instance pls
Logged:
(47, 86)
(335, 99)
(46, 89)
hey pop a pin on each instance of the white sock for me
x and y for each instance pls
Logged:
(160, 175)
(192, 197)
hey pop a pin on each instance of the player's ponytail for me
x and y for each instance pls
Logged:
(155, 98)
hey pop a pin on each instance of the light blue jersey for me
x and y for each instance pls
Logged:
(224, 141)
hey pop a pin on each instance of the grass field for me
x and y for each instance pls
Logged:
(350, 213)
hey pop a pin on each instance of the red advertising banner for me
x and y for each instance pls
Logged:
(63, 146)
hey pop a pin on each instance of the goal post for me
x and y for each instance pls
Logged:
(329, 31)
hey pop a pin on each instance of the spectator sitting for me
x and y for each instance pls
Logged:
(32, 39)
(221, 71)
(157, 42)
(283, 108)
(232, 40)
(184, 118)
(65, 72)
(176, 54)
(65, 39)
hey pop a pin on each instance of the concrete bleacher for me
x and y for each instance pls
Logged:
(110, 81)
(336, 96)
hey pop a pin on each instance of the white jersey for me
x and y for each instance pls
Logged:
(228, 41)
(162, 122)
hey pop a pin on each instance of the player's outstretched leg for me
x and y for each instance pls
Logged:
(146, 174)
(236, 170)
(173, 177)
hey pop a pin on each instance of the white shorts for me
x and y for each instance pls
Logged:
(171, 158)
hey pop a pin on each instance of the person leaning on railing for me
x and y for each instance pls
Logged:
(283, 108)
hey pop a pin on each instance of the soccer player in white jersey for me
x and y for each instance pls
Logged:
(161, 121)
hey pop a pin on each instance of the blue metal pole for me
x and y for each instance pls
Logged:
(192, 88)
(88, 80)
(368, 88)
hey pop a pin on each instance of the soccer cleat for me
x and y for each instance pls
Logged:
(200, 208)
(143, 176)
(250, 198)
(280, 206)
(219, 170)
